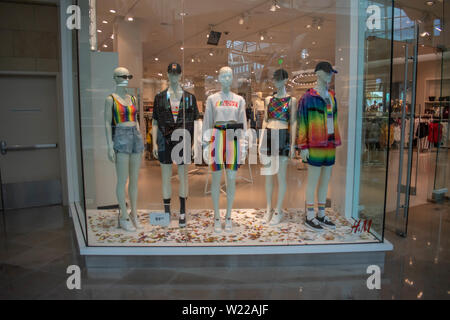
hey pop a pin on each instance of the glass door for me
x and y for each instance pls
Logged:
(403, 114)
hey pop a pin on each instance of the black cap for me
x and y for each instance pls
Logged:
(174, 68)
(280, 74)
(325, 66)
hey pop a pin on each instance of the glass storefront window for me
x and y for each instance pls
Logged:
(303, 75)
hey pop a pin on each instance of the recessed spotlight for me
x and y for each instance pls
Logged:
(424, 34)
(181, 48)
(207, 35)
(160, 74)
(156, 58)
(429, 3)
(105, 46)
(112, 36)
(105, 22)
(112, 11)
(129, 18)
(211, 53)
(183, 14)
(192, 60)
(241, 20)
(99, 31)
(308, 26)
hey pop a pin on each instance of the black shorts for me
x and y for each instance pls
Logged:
(284, 144)
(165, 148)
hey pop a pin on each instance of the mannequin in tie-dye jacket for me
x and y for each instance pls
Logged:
(312, 121)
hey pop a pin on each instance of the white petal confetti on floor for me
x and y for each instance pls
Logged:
(249, 229)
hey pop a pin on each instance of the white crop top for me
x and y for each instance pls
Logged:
(221, 107)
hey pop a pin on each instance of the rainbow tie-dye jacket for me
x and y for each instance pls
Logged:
(312, 121)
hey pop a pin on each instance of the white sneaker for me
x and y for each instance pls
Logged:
(276, 218)
(126, 224)
(228, 225)
(135, 220)
(217, 226)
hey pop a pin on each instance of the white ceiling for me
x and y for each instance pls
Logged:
(285, 31)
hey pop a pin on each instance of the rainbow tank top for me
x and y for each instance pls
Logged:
(123, 113)
(278, 108)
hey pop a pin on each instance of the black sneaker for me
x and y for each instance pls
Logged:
(313, 225)
(326, 222)
(182, 221)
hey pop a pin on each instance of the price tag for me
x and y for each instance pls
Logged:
(160, 219)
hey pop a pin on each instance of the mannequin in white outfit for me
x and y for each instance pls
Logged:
(127, 164)
(232, 111)
(277, 163)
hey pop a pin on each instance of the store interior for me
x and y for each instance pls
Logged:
(257, 38)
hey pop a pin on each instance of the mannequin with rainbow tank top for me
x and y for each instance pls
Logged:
(125, 146)
(279, 131)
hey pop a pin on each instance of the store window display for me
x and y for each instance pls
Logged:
(224, 126)
(277, 142)
(174, 108)
(125, 146)
(318, 137)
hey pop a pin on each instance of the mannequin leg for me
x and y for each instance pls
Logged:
(282, 181)
(166, 171)
(135, 165)
(269, 193)
(215, 192)
(122, 171)
(231, 188)
(323, 189)
(313, 180)
(184, 186)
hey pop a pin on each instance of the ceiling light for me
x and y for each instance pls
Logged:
(156, 58)
(183, 14)
(429, 3)
(192, 60)
(105, 22)
(207, 35)
(308, 26)
(112, 11)
(241, 20)
(273, 8)
(319, 27)
(160, 74)
(99, 31)
(424, 34)
(438, 29)
(129, 18)
(105, 46)
(211, 53)
(112, 36)
(181, 48)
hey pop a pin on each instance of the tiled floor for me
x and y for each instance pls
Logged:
(37, 245)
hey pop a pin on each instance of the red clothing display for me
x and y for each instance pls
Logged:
(435, 132)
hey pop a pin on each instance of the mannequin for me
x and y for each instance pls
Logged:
(224, 117)
(125, 146)
(173, 109)
(258, 110)
(278, 115)
(318, 137)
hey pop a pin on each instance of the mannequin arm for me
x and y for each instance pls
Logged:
(108, 130)
(155, 138)
(293, 123)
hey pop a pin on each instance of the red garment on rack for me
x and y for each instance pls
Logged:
(435, 132)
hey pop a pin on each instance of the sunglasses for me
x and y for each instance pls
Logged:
(125, 77)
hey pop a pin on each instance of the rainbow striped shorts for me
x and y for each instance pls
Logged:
(322, 156)
(224, 152)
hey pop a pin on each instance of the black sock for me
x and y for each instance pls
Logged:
(182, 205)
(167, 205)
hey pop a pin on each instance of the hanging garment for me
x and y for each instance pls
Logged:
(435, 133)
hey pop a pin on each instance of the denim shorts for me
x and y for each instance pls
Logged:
(128, 140)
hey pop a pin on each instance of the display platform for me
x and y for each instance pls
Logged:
(249, 229)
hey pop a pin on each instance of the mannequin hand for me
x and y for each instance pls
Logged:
(305, 155)
(155, 151)
(292, 152)
(111, 155)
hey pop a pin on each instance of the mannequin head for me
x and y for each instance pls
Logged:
(259, 95)
(324, 71)
(121, 76)
(174, 74)
(280, 78)
(225, 78)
